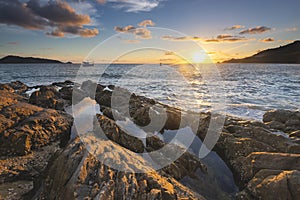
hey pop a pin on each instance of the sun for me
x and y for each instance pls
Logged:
(198, 57)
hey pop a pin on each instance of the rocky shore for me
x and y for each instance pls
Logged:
(42, 157)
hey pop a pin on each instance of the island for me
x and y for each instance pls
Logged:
(289, 54)
(11, 59)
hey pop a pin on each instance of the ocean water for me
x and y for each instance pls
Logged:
(246, 90)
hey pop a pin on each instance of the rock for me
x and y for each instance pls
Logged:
(66, 93)
(77, 168)
(273, 184)
(295, 134)
(25, 127)
(257, 161)
(113, 132)
(17, 87)
(278, 115)
(47, 97)
(66, 83)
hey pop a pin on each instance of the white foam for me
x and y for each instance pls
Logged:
(29, 92)
(107, 89)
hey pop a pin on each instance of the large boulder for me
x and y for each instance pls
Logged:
(78, 174)
(284, 120)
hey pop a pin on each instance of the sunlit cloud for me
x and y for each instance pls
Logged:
(184, 38)
(169, 53)
(58, 15)
(270, 39)
(132, 41)
(132, 5)
(256, 30)
(139, 32)
(226, 38)
(234, 27)
(146, 23)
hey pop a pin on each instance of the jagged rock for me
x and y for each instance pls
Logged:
(16, 86)
(47, 97)
(272, 184)
(25, 127)
(76, 173)
(113, 132)
(295, 134)
(31, 130)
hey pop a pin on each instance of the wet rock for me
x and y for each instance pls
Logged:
(278, 115)
(295, 134)
(66, 83)
(47, 97)
(113, 132)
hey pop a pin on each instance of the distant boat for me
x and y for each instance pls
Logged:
(87, 64)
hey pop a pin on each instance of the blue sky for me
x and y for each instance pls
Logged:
(41, 30)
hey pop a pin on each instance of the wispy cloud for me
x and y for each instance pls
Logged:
(226, 38)
(131, 41)
(256, 30)
(13, 43)
(270, 39)
(184, 38)
(292, 29)
(132, 5)
(58, 15)
(218, 39)
(234, 27)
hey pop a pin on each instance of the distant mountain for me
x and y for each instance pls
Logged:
(289, 53)
(18, 59)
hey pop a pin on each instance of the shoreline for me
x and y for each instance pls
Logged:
(241, 142)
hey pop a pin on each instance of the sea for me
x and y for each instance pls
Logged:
(244, 90)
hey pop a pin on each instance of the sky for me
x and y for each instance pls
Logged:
(146, 31)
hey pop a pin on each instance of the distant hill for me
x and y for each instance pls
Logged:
(289, 53)
(18, 59)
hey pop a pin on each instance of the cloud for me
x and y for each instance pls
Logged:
(169, 53)
(184, 38)
(13, 43)
(75, 30)
(132, 5)
(58, 12)
(126, 29)
(234, 27)
(56, 15)
(101, 1)
(146, 23)
(142, 33)
(256, 30)
(15, 13)
(268, 40)
(292, 29)
(218, 39)
(132, 41)
(226, 38)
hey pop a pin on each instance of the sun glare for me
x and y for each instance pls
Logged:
(198, 57)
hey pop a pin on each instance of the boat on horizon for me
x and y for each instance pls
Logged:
(87, 64)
